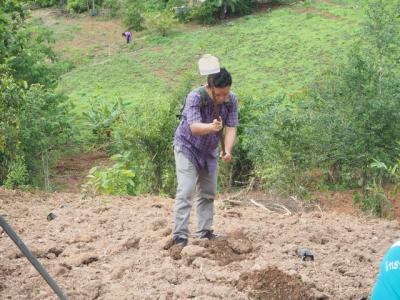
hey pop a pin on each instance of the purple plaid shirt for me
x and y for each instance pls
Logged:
(201, 150)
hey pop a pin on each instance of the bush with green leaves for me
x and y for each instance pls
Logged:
(210, 11)
(144, 136)
(375, 195)
(17, 176)
(176, 3)
(361, 103)
(44, 3)
(373, 199)
(100, 119)
(147, 133)
(119, 179)
(206, 13)
(114, 7)
(392, 172)
(337, 127)
(275, 138)
(34, 120)
(244, 7)
(28, 52)
(182, 13)
(161, 23)
(78, 6)
(133, 15)
(34, 123)
(180, 9)
(154, 5)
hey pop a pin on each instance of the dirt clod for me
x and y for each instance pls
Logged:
(81, 259)
(226, 250)
(175, 252)
(272, 283)
(132, 243)
(159, 224)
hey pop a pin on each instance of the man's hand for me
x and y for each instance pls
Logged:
(227, 157)
(216, 125)
(207, 128)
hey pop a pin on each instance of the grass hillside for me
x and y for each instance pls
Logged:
(269, 53)
(336, 129)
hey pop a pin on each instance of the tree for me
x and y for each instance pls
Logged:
(33, 118)
(133, 18)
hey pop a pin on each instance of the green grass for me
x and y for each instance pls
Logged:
(119, 77)
(271, 53)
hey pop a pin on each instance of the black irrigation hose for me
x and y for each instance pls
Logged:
(33, 260)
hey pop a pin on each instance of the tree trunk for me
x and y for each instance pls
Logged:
(45, 165)
(224, 10)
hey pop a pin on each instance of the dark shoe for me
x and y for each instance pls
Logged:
(208, 234)
(180, 241)
(175, 241)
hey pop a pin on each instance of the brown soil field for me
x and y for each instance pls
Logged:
(113, 248)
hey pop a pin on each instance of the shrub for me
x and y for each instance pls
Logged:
(150, 149)
(245, 7)
(161, 23)
(210, 11)
(34, 123)
(44, 3)
(34, 120)
(78, 6)
(133, 16)
(373, 200)
(176, 3)
(182, 13)
(118, 179)
(17, 176)
(154, 5)
(373, 197)
(180, 10)
(114, 7)
(205, 13)
(337, 127)
(275, 137)
(101, 118)
(144, 139)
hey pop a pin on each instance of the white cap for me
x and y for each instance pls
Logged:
(208, 64)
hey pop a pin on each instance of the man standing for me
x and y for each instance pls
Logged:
(206, 112)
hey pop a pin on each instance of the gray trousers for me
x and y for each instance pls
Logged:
(204, 184)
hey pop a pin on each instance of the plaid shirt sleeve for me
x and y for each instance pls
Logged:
(192, 108)
(233, 119)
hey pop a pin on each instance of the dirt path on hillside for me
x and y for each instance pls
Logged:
(112, 248)
(71, 171)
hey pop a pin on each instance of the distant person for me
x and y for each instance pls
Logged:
(387, 286)
(128, 36)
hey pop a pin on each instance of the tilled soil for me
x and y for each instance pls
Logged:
(113, 248)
